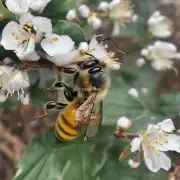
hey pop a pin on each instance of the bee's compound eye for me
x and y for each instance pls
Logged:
(51, 105)
(94, 70)
(69, 70)
(58, 85)
(89, 64)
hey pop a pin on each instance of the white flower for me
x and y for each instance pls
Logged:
(135, 144)
(21, 38)
(124, 122)
(161, 55)
(23, 6)
(71, 15)
(60, 49)
(140, 62)
(38, 5)
(83, 46)
(160, 26)
(25, 98)
(116, 28)
(134, 163)
(133, 92)
(13, 81)
(121, 12)
(3, 97)
(103, 6)
(94, 21)
(17, 6)
(144, 90)
(84, 11)
(7, 60)
(98, 50)
(155, 140)
(114, 3)
(135, 18)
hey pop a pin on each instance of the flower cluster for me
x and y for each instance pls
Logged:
(23, 36)
(13, 81)
(152, 143)
(120, 12)
(160, 54)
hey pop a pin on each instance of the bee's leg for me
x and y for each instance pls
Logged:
(49, 106)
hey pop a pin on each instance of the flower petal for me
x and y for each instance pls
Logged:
(42, 24)
(38, 5)
(55, 45)
(65, 59)
(135, 144)
(150, 159)
(96, 49)
(3, 97)
(28, 53)
(11, 36)
(26, 18)
(167, 125)
(17, 6)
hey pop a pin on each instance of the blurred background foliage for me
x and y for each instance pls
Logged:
(98, 158)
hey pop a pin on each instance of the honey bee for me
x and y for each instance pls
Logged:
(80, 115)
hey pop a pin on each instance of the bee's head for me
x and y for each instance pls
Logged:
(98, 78)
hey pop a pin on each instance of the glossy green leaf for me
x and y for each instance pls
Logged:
(145, 8)
(71, 29)
(56, 10)
(95, 160)
(5, 12)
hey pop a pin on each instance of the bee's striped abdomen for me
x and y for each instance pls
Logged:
(66, 125)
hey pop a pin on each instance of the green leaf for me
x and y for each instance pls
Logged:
(145, 8)
(71, 29)
(57, 9)
(95, 160)
(5, 12)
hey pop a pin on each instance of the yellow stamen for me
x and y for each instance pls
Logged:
(54, 39)
(82, 52)
(17, 38)
(13, 34)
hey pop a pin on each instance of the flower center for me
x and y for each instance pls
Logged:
(54, 39)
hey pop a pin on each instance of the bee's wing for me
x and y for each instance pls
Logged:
(95, 122)
(83, 113)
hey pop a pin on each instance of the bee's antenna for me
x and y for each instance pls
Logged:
(117, 46)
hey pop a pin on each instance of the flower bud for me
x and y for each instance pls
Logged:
(103, 6)
(94, 21)
(144, 52)
(134, 162)
(1, 17)
(71, 15)
(133, 92)
(84, 11)
(83, 46)
(140, 62)
(124, 122)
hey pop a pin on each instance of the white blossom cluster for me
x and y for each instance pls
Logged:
(152, 144)
(160, 53)
(120, 12)
(23, 35)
